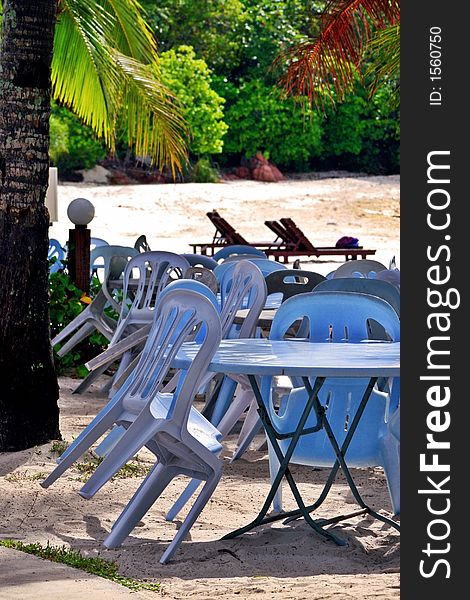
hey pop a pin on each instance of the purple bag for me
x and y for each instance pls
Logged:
(347, 242)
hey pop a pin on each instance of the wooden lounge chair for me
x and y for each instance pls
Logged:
(226, 235)
(297, 244)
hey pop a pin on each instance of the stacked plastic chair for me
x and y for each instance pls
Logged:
(183, 441)
(154, 270)
(112, 260)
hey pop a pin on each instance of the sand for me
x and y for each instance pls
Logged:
(275, 561)
(326, 207)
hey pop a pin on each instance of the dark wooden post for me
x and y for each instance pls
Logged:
(79, 257)
(81, 212)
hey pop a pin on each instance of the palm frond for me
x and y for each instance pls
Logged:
(154, 123)
(331, 60)
(81, 57)
(132, 36)
(385, 49)
(93, 75)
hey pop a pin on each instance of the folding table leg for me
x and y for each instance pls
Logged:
(284, 462)
(340, 460)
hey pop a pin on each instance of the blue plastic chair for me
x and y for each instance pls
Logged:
(235, 249)
(341, 317)
(55, 252)
(363, 285)
(264, 265)
(183, 441)
(201, 260)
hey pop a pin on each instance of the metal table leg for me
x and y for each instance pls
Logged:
(340, 461)
(273, 436)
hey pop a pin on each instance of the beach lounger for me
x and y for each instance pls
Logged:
(297, 244)
(226, 235)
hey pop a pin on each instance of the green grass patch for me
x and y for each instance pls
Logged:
(58, 447)
(90, 462)
(131, 469)
(73, 558)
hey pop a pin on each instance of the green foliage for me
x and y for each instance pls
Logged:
(189, 78)
(73, 558)
(261, 119)
(58, 447)
(363, 135)
(216, 58)
(270, 26)
(132, 469)
(64, 301)
(203, 171)
(73, 145)
(214, 29)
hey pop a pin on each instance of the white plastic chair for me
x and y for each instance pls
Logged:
(361, 267)
(184, 442)
(93, 317)
(204, 275)
(243, 285)
(154, 270)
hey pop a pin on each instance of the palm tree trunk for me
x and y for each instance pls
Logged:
(28, 383)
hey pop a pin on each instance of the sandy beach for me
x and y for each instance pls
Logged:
(325, 206)
(275, 561)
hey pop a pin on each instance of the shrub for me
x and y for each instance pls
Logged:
(361, 134)
(203, 171)
(261, 119)
(189, 79)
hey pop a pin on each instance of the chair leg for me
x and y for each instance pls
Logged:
(183, 498)
(147, 494)
(90, 378)
(130, 443)
(390, 455)
(223, 401)
(79, 320)
(193, 514)
(234, 412)
(100, 424)
(250, 428)
(273, 470)
(110, 441)
(85, 330)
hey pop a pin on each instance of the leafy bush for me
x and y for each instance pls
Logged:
(203, 171)
(361, 134)
(189, 79)
(261, 119)
(214, 29)
(73, 145)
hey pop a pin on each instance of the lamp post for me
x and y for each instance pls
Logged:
(80, 211)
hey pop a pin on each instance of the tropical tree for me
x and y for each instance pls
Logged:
(327, 66)
(104, 66)
(28, 402)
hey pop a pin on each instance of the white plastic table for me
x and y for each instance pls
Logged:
(259, 356)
